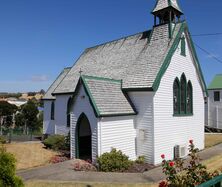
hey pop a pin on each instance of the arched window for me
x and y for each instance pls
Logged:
(189, 98)
(183, 87)
(68, 112)
(183, 46)
(52, 110)
(176, 95)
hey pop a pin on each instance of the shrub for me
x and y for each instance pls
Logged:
(2, 140)
(191, 174)
(81, 165)
(55, 142)
(140, 160)
(7, 170)
(57, 159)
(115, 161)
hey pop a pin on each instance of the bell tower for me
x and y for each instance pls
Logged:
(166, 11)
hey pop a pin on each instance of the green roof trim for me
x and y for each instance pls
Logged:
(168, 58)
(88, 92)
(216, 83)
(92, 100)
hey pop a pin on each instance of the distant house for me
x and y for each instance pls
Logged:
(214, 104)
(142, 94)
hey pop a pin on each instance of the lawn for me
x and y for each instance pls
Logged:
(30, 155)
(76, 184)
(212, 139)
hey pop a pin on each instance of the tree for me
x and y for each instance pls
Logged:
(27, 117)
(6, 114)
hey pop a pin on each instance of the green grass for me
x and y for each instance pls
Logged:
(212, 139)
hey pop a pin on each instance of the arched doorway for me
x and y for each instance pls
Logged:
(83, 138)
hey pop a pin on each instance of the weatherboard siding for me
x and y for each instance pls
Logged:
(48, 124)
(60, 114)
(168, 129)
(82, 105)
(118, 132)
(143, 102)
(214, 110)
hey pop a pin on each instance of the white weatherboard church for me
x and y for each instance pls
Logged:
(141, 94)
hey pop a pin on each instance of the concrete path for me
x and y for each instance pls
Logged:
(64, 172)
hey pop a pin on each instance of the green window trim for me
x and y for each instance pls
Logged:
(183, 46)
(68, 117)
(185, 102)
(176, 96)
(53, 110)
(189, 98)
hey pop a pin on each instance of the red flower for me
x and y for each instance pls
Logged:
(163, 156)
(171, 164)
(191, 141)
(163, 184)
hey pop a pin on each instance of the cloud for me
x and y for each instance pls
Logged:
(39, 78)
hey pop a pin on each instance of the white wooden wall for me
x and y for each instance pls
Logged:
(82, 105)
(143, 121)
(48, 124)
(117, 132)
(169, 130)
(60, 114)
(214, 110)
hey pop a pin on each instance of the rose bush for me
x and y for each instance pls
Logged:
(180, 174)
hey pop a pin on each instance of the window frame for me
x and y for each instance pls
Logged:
(218, 99)
(189, 84)
(68, 116)
(181, 113)
(176, 81)
(52, 114)
(183, 46)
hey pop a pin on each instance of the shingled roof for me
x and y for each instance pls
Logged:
(48, 94)
(107, 97)
(163, 4)
(136, 60)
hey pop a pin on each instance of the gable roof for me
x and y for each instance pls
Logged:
(163, 4)
(106, 96)
(136, 60)
(216, 83)
(48, 94)
(139, 60)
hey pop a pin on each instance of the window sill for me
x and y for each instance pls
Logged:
(182, 115)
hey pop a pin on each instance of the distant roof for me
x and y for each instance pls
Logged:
(162, 4)
(136, 60)
(48, 94)
(107, 96)
(216, 83)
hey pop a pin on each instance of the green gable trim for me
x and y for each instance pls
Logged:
(168, 58)
(88, 92)
(92, 101)
(216, 83)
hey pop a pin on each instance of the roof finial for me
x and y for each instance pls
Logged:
(80, 72)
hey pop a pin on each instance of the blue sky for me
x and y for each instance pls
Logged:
(40, 37)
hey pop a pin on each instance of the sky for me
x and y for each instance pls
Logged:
(38, 38)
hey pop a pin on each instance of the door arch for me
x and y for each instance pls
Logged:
(83, 138)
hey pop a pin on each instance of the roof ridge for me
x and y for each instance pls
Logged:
(121, 38)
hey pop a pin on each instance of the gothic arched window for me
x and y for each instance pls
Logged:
(183, 87)
(189, 98)
(68, 112)
(176, 96)
(52, 110)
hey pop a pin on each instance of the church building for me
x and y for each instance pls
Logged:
(142, 94)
